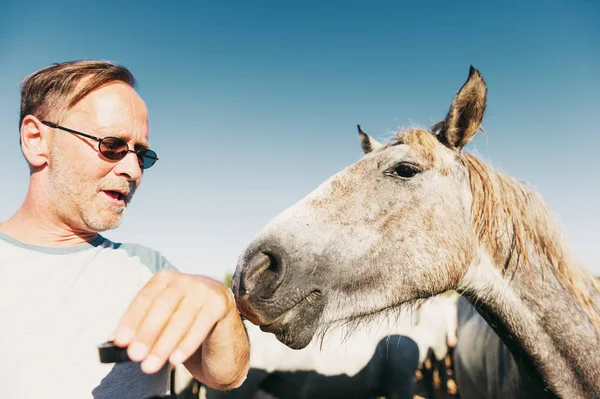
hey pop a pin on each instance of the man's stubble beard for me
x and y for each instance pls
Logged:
(83, 198)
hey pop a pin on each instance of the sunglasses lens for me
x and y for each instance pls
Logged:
(116, 149)
(113, 148)
(146, 158)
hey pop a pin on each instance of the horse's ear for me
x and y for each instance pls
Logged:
(466, 113)
(367, 142)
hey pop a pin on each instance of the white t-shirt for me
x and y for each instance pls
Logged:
(57, 305)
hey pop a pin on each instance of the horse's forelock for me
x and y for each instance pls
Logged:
(424, 143)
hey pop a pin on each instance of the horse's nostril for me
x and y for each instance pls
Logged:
(264, 273)
(258, 263)
(274, 265)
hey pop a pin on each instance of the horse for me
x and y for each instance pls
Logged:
(414, 218)
(369, 362)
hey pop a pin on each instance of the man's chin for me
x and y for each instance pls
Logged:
(100, 224)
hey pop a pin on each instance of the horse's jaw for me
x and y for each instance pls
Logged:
(294, 327)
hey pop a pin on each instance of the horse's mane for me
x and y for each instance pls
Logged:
(515, 224)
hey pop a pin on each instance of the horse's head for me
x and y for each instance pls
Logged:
(392, 228)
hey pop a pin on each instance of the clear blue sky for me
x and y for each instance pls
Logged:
(253, 104)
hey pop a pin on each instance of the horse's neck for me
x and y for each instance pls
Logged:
(543, 325)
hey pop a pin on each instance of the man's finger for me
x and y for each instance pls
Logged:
(172, 334)
(202, 326)
(158, 316)
(139, 307)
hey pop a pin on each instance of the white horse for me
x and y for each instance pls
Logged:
(416, 217)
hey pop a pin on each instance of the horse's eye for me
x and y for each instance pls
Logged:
(405, 170)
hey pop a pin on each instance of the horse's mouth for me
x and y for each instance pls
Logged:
(288, 314)
(294, 323)
(291, 322)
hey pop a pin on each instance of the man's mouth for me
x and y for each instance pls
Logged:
(117, 197)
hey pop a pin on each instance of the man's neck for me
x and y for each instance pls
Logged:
(34, 224)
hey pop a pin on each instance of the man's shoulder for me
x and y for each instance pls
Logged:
(150, 257)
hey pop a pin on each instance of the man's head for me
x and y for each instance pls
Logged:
(84, 190)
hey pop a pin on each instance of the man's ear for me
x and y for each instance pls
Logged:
(465, 114)
(34, 141)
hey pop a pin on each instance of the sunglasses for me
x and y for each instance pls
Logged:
(114, 148)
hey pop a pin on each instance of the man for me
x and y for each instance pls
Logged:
(65, 289)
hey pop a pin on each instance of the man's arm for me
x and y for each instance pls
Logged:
(186, 318)
(222, 362)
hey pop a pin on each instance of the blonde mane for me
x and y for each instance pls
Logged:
(515, 224)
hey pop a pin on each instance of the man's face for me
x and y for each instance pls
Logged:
(88, 191)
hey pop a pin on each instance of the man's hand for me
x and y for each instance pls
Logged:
(180, 318)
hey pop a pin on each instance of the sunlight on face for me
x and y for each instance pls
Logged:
(89, 191)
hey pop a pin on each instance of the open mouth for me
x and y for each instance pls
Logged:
(116, 196)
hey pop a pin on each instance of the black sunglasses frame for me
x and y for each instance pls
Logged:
(142, 154)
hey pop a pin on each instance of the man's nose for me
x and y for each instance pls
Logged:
(129, 167)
